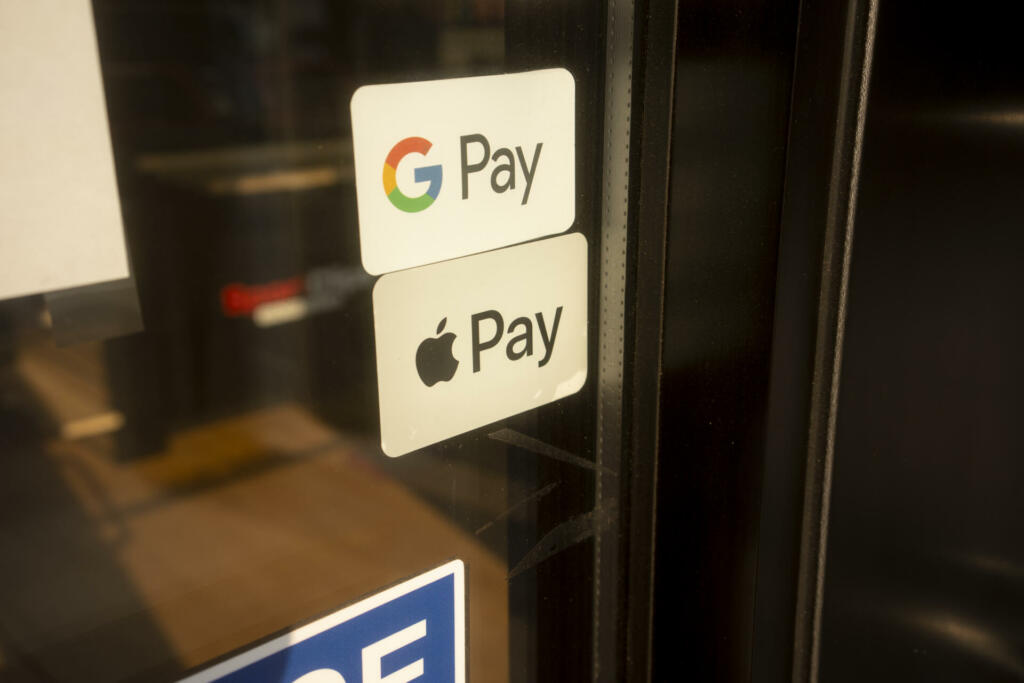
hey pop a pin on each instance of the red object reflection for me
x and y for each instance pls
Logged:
(237, 299)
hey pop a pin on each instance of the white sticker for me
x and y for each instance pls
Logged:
(60, 216)
(467, 342)
(449, 168)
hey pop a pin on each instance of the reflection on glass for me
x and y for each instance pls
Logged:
(169, 496)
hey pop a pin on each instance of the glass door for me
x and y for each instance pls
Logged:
(190, 457)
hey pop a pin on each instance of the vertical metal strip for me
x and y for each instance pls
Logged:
(611, 322)
(864, 79)
(845, 176)
(655, 30)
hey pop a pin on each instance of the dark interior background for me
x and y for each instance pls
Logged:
(925, 561)
(925, 568)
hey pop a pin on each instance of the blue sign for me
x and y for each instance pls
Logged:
(414, 631)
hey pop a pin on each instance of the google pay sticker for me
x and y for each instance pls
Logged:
(455, 167)
(464, 343)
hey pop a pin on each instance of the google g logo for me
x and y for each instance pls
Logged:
(423, 174)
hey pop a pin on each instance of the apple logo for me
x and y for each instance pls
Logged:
(434, 359)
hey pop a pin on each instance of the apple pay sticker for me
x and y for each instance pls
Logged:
(464, 343)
